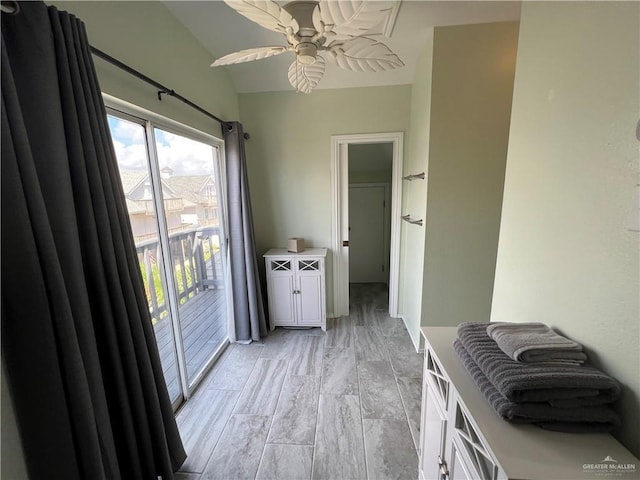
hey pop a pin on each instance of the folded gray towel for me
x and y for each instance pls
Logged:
(593, 419)
(535, 342)
(564, 385)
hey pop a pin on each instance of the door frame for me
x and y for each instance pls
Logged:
(340, 215)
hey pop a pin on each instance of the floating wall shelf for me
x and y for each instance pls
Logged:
(407, 218)
(414, 176)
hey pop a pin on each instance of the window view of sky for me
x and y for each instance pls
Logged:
(184, 156)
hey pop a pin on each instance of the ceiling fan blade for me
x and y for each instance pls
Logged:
(249, 55)
(265, 13)
(305, 78)
(351, 17)
(363, 54)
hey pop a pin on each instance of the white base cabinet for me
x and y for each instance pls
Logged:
(462, 438)
(296, 287)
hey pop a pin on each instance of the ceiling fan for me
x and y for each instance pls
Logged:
(331, 27)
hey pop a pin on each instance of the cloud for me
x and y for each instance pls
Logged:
(131, 157)
(184, 156)
(128, 143)
(125, 131)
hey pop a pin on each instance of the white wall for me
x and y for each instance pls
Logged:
(565, 254)
(289, 156)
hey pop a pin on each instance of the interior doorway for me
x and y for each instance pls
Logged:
(370, 174)
(366, 179)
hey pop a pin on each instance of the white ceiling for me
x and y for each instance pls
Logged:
(222, 30)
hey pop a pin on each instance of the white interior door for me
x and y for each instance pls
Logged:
(367, 256)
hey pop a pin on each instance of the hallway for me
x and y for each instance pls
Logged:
(305, 404)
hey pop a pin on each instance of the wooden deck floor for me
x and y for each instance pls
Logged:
(204, 329)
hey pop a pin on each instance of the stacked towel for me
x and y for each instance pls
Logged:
(565, 398)
(535, 342)
(573, 420)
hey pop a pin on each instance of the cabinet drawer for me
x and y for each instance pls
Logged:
(434, 373)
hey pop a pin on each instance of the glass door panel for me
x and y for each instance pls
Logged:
(133, 163)
(190, 179)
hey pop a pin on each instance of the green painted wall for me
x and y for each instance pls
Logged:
(289, 156)
(566, 255)
(371, 163)
(471, 93)
(147, 37)
(414, 197)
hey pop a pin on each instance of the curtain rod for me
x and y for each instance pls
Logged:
(161, 88)
(13, 8)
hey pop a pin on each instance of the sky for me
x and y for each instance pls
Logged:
(183, 155)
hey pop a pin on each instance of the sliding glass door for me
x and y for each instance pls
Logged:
(173, 189)
(190, 175)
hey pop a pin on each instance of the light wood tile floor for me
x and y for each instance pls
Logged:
(308, 405)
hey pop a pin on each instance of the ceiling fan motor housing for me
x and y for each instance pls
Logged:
(306, 52)
(302, 11)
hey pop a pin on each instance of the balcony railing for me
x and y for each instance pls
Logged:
(196, 266)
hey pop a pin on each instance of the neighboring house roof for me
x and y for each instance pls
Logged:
(131, 178)
(192, 189)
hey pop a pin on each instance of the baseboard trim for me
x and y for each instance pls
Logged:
(413, 340)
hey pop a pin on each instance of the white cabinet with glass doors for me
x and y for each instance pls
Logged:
(296, 287)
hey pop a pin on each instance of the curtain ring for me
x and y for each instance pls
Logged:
(10, 7)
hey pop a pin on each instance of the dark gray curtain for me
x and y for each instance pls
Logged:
(77, 340)
(248, 322)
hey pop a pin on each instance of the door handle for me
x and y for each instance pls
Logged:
(443, 470)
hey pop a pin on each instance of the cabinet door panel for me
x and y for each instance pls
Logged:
(434, 429)
(458, 470)
(310, 299)
(281, 300)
